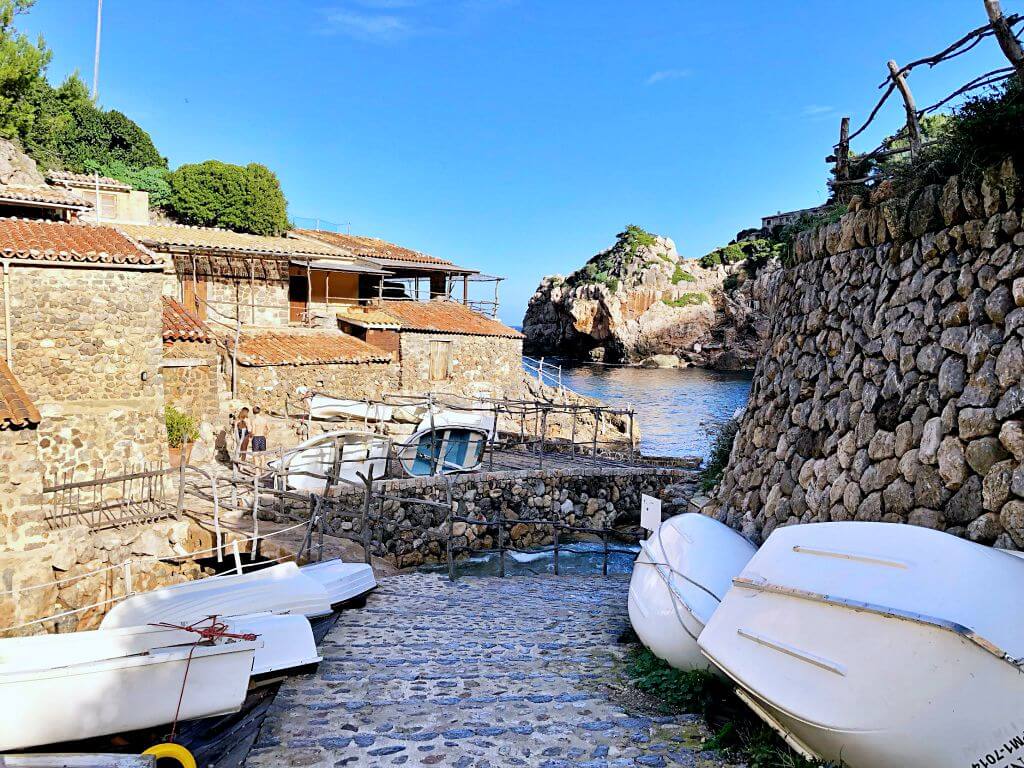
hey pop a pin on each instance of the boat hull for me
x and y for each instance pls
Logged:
(879, 645)
(279, 589)
(443, 450)
(79, 701)
(304, 467)
(342, 581)
(682, 572)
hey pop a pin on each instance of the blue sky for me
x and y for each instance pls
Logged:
(516, 136)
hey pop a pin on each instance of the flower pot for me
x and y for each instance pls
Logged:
(180, 454)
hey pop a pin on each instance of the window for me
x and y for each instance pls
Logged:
(440, 360)
(107, 207)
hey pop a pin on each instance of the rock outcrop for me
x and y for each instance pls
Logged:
(893, 386)
(18, 169)
(639, 300)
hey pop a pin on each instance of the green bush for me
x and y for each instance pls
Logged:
(152, 179)
(721, 447)
(731, 282)
(22, 70)
(216, 194)
(181, 428)
(681, 275)
(689, 299)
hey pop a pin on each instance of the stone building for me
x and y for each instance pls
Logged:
(442, 346)
(192, 366)
(82, 331)
(111, 201)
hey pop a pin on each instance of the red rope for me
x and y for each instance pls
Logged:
(216, 630)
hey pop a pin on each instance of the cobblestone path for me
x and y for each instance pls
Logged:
(483, 672)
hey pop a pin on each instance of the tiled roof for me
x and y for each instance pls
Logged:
(16, 410)
(372, 248)
(305, 347)
(182, 325)
(209, 238)
(55, 196)
(446, 317)
(57, 241)
(87, 180)
(367, 316)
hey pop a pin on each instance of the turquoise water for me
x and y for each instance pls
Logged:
(678, 409)
(576, 558)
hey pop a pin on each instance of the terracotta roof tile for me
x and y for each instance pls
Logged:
(372, 248)
(16, 409)
(87, 179)
(446, 317)
(305, 347)
(182, 325)
(367, 316)
(57, 241)
(210, 238)
(44, 195)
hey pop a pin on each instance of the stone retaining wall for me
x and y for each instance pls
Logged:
(892, 388)
(595, 497)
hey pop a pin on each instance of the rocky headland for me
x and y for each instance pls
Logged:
(640, 302)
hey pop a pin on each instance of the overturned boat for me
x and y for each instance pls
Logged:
(327, 407)
(281, 588)
(680, 576)
(286, 642)
(343, 582)
(56, 688)
(352, 455)
(443, 450)
(878, 645)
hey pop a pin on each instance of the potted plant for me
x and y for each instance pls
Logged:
(182, 432)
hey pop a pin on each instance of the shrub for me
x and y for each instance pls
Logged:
(216, 194)
(721, 447)
(153, 179)
(689, 299)
(181, 428)
(681, 275)
(731, 282)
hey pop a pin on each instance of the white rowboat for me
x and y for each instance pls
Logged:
(326, 407)
(879, 645)
(680, 576)
(342, 581)
(46, 701)
(279, 589)
(307, 466)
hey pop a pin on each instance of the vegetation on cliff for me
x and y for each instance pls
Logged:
(62, 128)
(609, 267)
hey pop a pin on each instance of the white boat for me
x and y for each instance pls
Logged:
(879, 645)
(306, 466)
(286, 642)
(279, 589)
(342, 581)
(47, 699)
(680, 576)
(478, 418)
(443, 450)
(326, 407)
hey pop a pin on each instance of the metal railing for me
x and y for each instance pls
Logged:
(545, 372)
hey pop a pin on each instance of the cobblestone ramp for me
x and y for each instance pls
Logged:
(477, 673)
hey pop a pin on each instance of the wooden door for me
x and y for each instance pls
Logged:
(440, 360)
(298, 297)
(193, 296)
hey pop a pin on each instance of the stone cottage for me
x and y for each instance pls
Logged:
(442, 346)
(82, 330)
(191, 364)
(111, 201)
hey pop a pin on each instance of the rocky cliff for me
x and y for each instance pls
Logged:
(892, 388)
(639, 299)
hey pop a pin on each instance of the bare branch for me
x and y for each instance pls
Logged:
(989, 78)
(878, 106)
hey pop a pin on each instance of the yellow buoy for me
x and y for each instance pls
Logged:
(175, 752)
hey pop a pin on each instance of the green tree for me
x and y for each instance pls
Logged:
(22, 69)
(216, 194)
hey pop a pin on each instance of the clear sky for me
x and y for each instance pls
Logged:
(516, 136)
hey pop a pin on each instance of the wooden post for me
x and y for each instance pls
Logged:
(594, 412)
(181, 486)
(367, 501)
(574, 411)
(913, 127)
(557, 526)
(543, 434)
(451, 559)
(632, 447)
(1007, 41)
(604, 542)
(501, 544)
(465, 289)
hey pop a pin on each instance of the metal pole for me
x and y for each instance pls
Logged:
(96, 57)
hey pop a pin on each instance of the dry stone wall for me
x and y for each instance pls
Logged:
(270, 386)
(893, 387)
(480, 365)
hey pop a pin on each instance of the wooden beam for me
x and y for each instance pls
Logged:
(1004, 34)
(913, 127)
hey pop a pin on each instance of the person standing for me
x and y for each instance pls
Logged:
(242, 431)
(258, 429)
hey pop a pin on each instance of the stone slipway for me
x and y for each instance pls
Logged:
(476, 673)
